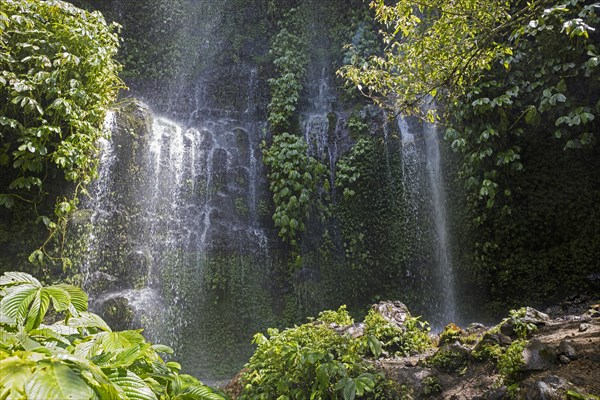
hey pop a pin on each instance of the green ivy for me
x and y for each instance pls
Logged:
(294, 179)
(289, 51)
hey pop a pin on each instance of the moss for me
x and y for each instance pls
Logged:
(510, 363)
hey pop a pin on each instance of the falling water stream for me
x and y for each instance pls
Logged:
(424, 179)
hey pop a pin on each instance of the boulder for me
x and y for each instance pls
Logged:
(538, 356)
(532, 316)
(566, 348)
(355, 330)
(395, 312)
(550, 388)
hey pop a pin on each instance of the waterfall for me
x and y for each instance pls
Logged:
(175, 224)
(424, 189)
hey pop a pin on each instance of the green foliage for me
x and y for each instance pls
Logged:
(294, 176)
(430, 45)
(522, 328)
(309, 361)
(451, 333)
(341, 317)
(371, 208)
(449, 360)
(58, 75)
(294, 179)
(289, 50)
(431, 386)
(547, 86)
(80, 356)
(409, 339)
(511, 362)
(575, 395)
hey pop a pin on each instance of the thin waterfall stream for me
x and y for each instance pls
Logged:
(424, 179)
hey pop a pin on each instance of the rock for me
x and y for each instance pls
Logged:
(592, 313)
(475, 328)
(535, 317)
(118, 313)
(532, 316)
(504, 340)
(496, 394)
(538, 356)
(566, 348)
(395, 312)
(411, 377)
(356, 330)
(490, 338)
(450, 357)
(564, 359)
(540, 391)
(584, 327)
(451, 333)
(550, 388)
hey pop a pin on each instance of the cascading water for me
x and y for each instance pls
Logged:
(175, 223)
(426, 200)
(182, 242)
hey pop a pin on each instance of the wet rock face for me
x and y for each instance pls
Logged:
(118, 313)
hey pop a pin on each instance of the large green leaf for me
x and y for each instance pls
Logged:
(200, 392)
(38, 309)
(13, 278)
(133, 386)
(88, 320)
(95, 377)
(60, 298)
(17, 300)
(47, 333)
(15, 372)
(79, 298)
(55, 381)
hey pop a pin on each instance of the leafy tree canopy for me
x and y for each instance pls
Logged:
(57, 78)
(502, 69)
(438, 47)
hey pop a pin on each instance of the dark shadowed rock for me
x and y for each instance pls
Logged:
(566, 348)
(538, 356)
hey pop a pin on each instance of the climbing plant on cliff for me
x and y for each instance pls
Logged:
(294, 177)
(58, 77)
(293, 174)
(80, 356)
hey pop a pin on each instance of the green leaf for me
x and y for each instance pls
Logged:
(79, 298)
(88, 320)
(375, 345)
(56, 381)
(349, 389)
(161, 348)
(13, 278)
(133, 386)
(16, 303)
(15, 372)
